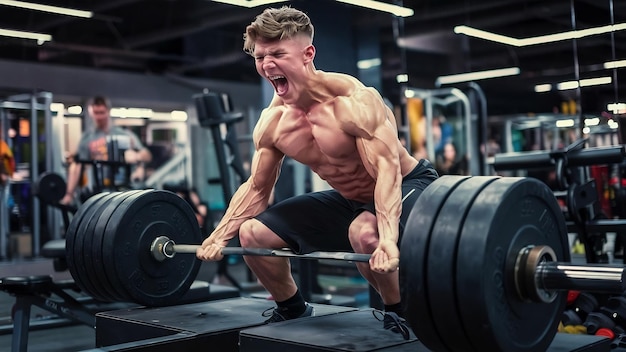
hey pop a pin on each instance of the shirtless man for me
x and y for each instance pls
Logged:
(346, 134)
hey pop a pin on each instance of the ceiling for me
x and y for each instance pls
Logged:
(156, 36)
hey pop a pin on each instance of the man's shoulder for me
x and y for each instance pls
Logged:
(342, 84)
(347, 90)
(356, 95)
(270, 115)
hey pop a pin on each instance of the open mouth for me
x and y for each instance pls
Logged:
(280, 84)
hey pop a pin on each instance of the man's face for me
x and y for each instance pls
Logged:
(100, 115)
(282, 62)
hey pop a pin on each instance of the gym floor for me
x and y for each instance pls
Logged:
(81, 337)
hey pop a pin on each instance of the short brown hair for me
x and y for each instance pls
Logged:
(277, 24)
(100, 101)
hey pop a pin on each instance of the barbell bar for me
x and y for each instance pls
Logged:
(484, 260)
(538, 276)
(163, 248)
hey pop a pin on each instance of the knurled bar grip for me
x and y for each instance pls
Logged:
(265, 252)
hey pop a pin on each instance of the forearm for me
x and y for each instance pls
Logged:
(134, 156)
(246, 203)
(145, 156)
(388, 202)
(73, 174)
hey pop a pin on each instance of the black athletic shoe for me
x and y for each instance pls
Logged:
(276, 316)
(393, 322)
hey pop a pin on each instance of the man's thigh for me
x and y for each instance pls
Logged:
(310, 222)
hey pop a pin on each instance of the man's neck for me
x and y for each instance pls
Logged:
(312, 91)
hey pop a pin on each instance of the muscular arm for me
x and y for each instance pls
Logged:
(376, 140)
(138, 153)
(144, 155)
(73, 172)
(251, 198)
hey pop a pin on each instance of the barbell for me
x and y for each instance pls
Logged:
(163, 248)
(484, 261)
(537, 274)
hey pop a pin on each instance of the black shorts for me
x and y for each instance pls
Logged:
(319, 221)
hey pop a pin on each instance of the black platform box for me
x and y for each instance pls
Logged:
(360, 331)
(214, 324)
(348, 331)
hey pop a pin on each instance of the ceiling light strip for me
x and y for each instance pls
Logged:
(595, 81)
(542, 39)
(614, 64)
(541, 88)
(584, 83)
(478, 75)
(572, 34)
(567, 85)
(479, 33)
(39, 37)
(370, 4)
(47, 8)
(617, 108)
(248, 3)
(381, 6)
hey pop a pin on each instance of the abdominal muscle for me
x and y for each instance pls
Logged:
(353, 183)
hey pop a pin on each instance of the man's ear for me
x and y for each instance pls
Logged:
(309, 53)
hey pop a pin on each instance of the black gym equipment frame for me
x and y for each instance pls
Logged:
(53, 296)
(574, 185)
(212, 114)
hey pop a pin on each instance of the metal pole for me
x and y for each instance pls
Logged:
(483, 117)
(34, 172)
(472, 152)
(4, 197)
(613, 56)
(430, 142)
(581, 119)
(52, 155)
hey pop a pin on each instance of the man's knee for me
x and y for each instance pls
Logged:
(246, 233)
(253, 233)
(363, 233)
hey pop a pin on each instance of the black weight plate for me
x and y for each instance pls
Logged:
(83, 253)
(133, 227)
(441, 262)
(94, 263)
(50, 187)
(414, 254)
(508, 215)
(74, 255)
(96, 267)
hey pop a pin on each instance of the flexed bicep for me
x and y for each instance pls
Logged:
(373, 125)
